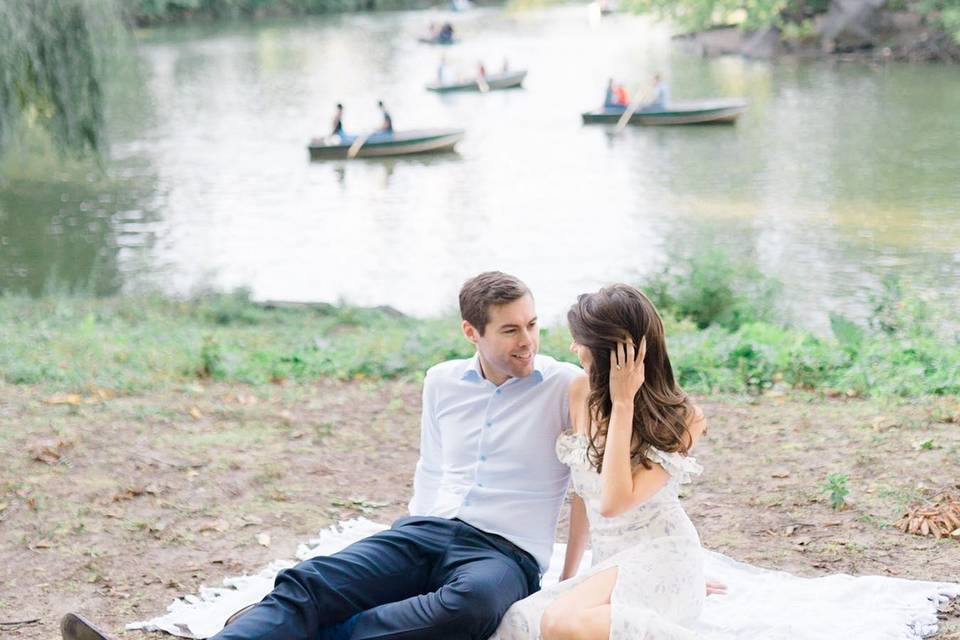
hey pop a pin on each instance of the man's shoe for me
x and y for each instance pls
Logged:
(75, 627)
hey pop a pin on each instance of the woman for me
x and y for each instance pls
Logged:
(633, 428)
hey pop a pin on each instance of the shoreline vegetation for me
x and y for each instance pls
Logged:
(903, 30)
(721, 319)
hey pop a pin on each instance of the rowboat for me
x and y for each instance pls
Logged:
(720, 111)
(379, 145)
(437, 40)
(508, 80)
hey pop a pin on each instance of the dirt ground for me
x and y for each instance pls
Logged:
(114, 506)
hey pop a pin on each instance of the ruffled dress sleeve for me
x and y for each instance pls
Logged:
(571, 449)
(678, 466)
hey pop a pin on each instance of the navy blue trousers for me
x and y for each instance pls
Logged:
(422, 578)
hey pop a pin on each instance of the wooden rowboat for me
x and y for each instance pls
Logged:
(509, 80)
(437, 40)
(720, 111)
(379, 145)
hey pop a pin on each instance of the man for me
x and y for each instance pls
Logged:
(487, 493)
(660, 94)
(338, 121)
(387, 125)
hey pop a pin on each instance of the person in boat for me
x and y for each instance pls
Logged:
(660, 94)
(610, 96)
(387, 126)
(621, 95)
(445, 35)
(481, 70)
(338, 121)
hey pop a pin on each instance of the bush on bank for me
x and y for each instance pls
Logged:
(133, 344)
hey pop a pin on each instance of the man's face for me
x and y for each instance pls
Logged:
(510, 340)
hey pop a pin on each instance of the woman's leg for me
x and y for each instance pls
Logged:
(583, 612)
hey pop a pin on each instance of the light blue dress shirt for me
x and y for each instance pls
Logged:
(487, 453)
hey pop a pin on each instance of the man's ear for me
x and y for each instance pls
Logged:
(470, 332)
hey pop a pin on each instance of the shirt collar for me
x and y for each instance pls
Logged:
(473, 372)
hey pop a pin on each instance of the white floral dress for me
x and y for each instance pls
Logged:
(660, 588)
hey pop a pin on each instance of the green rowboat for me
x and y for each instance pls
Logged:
(509, 80)
(720, 111)
(380, 145)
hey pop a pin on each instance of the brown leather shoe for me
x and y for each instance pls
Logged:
(76, 627)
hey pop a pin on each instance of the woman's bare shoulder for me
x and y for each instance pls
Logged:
(696, 422)
(580, 385)
(579, 390)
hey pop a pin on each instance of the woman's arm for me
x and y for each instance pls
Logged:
(579, 532)
(622, 488)
(577, 538)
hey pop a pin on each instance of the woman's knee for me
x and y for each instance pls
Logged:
(557, 624)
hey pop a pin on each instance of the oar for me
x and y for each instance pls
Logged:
(355, 147)
(482, 84)
(630, 110)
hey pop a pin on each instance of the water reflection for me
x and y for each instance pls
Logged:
(835, 176)
(70, 229)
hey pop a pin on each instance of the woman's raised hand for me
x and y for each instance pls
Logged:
(626, 370)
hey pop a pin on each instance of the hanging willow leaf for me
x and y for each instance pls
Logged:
(52, 68)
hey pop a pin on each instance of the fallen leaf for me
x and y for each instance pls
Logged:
(249, 521)
(780, 474)
(219, 526)
(49, 451)
(196, 413)
(263, 539)
(128, 494)
(65, 398)
(940, 517)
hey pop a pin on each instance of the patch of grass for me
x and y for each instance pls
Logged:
(727, 343)
(836, 489)
(900, 497)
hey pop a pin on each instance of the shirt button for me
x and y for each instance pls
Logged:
(483, 458)
(479, 484)
(489, 423)
(498, 391)
(466, 503)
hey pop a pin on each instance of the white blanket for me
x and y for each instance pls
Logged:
(760, 604)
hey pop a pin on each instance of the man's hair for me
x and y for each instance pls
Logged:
(489, 288)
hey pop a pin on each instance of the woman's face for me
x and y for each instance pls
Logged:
(586, 359)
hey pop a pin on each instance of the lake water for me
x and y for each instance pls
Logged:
(837, 174)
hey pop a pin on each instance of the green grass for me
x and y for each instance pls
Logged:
(136, 344)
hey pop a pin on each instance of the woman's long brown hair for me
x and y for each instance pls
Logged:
(661, 409)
